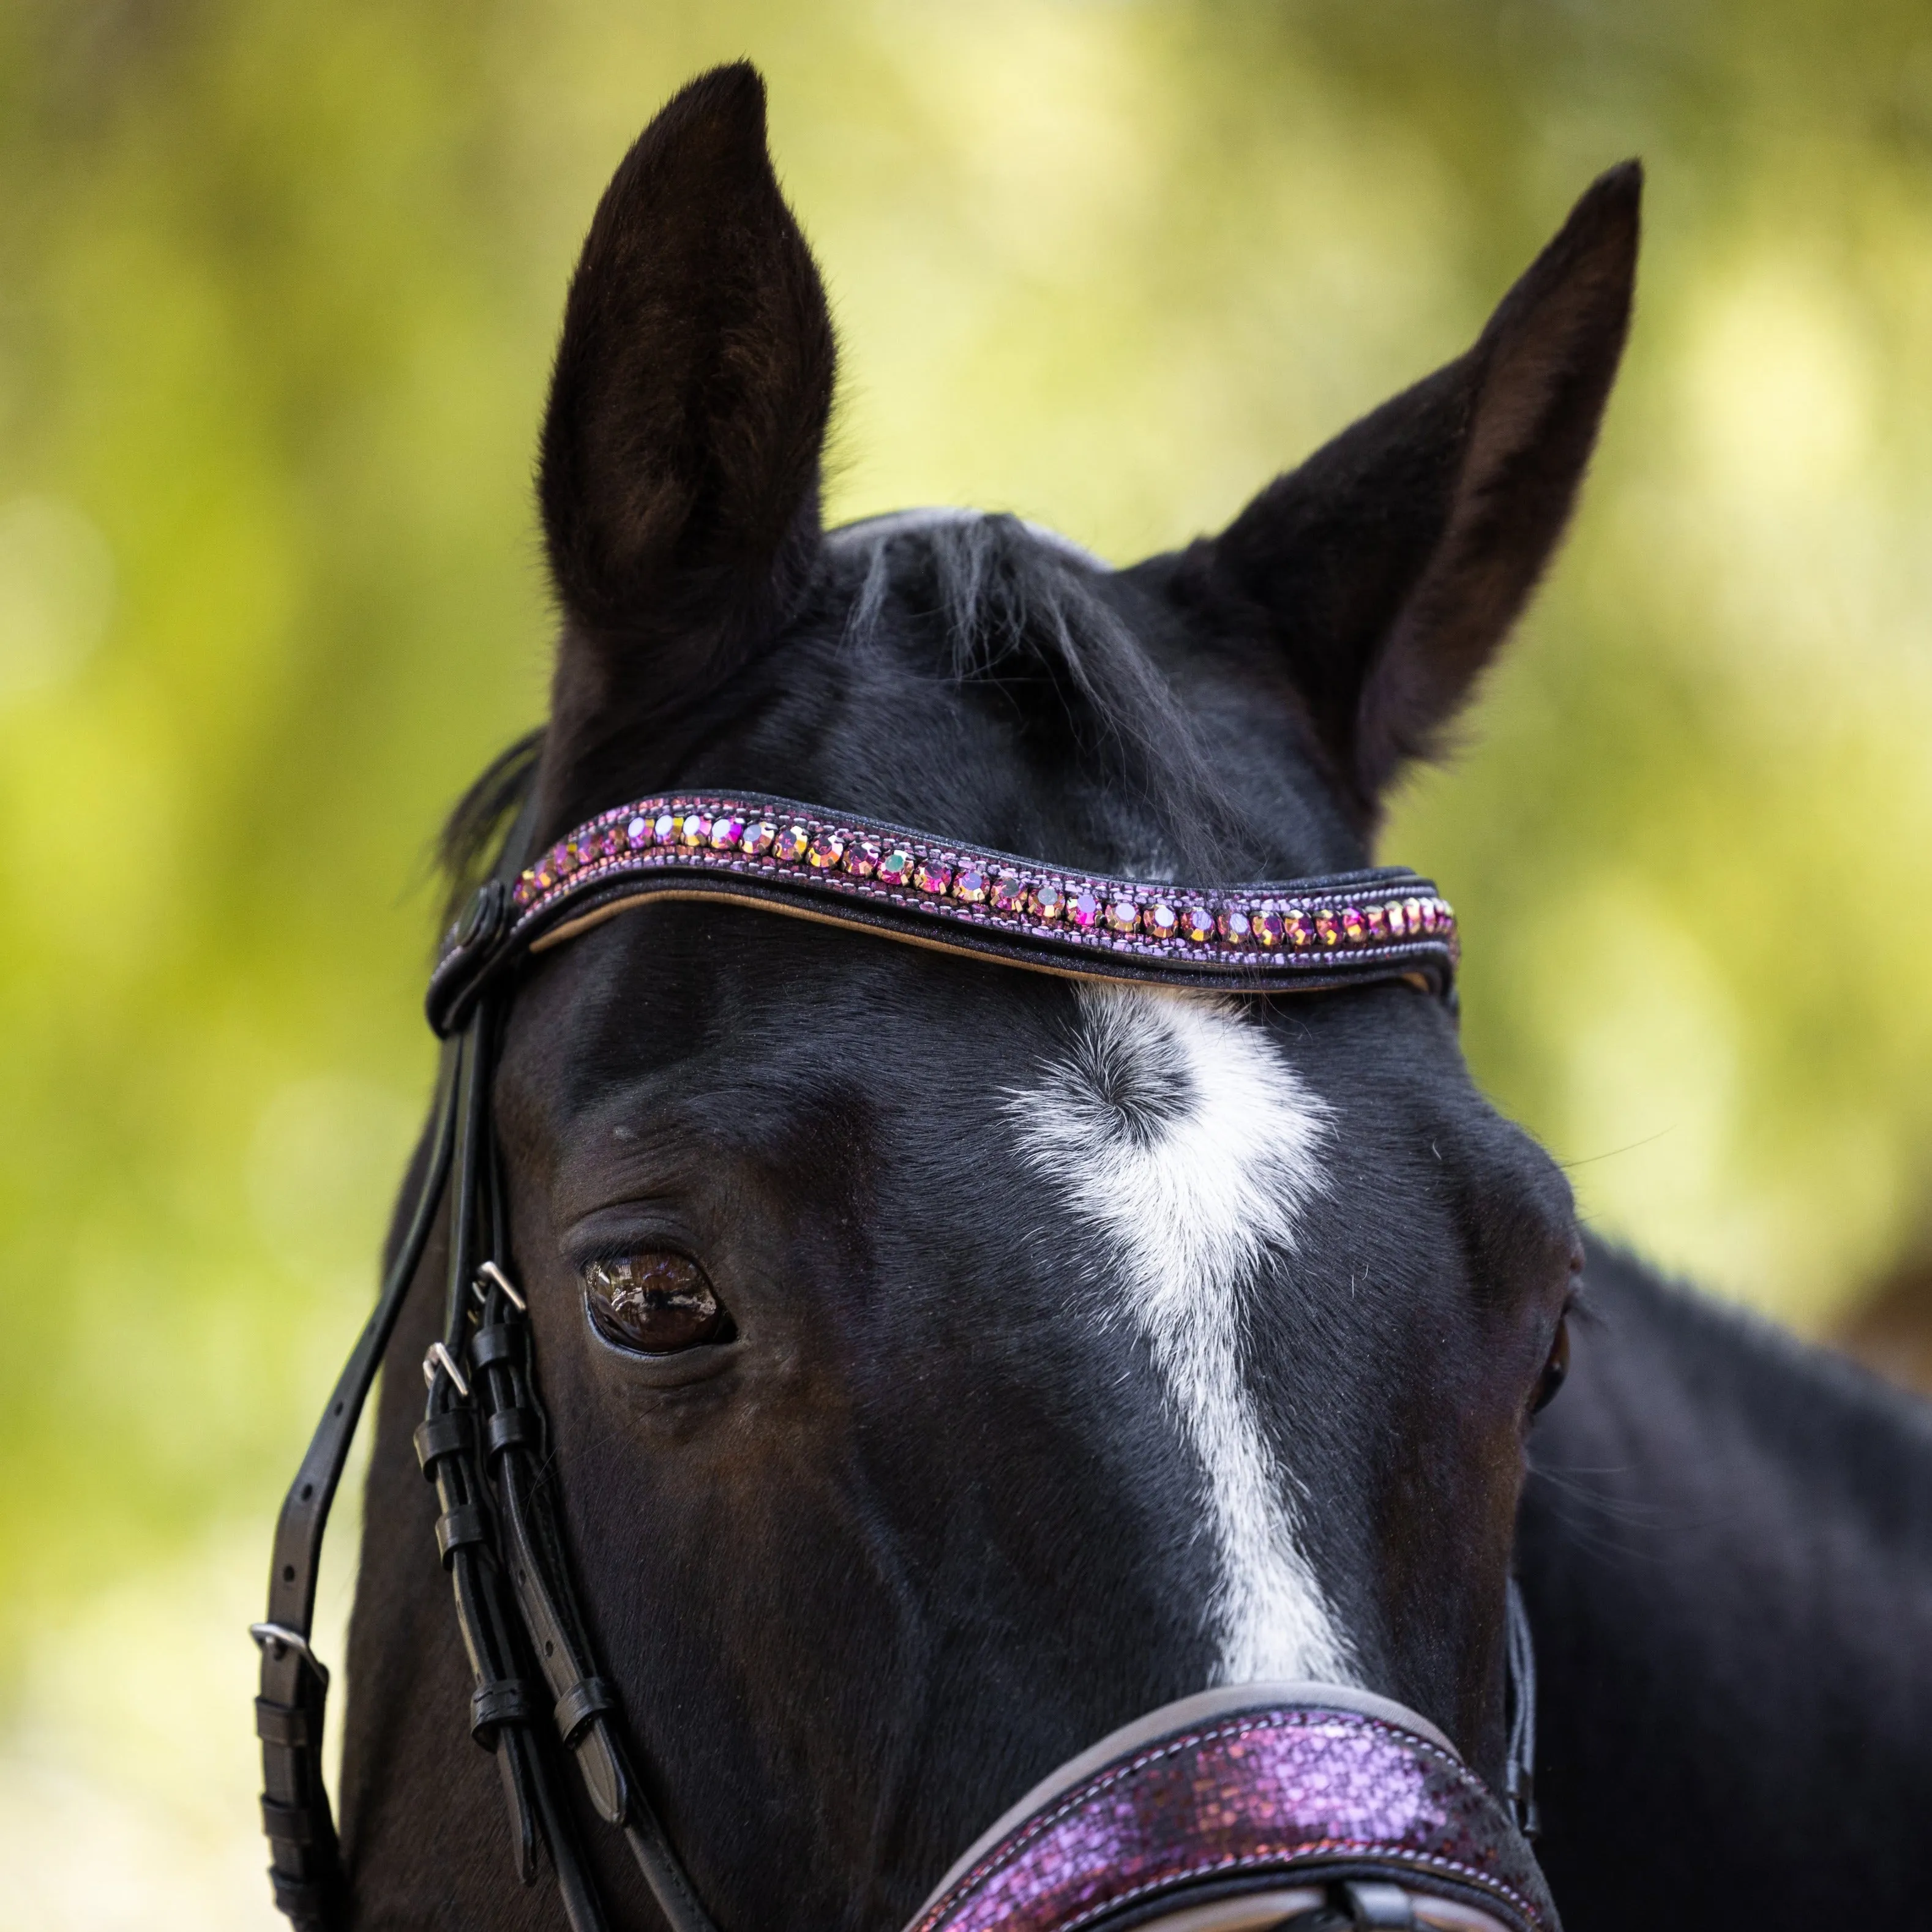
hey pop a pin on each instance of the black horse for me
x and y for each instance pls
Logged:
(1044, 1352)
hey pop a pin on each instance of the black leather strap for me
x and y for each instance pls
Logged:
(306, 1866)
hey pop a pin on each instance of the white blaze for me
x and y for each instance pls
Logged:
(1194, 1192)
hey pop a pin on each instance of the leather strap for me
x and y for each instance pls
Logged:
(1306, 935)
(306, 1866)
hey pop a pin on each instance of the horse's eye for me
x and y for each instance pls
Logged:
(655, 1302)
(1554, 1370)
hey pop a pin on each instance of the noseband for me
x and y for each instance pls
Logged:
(1314, 1806)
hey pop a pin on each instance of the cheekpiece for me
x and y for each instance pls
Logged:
(842, 869)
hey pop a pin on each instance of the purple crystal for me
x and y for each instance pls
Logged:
(930, 876)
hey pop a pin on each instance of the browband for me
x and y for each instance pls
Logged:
(841, 869)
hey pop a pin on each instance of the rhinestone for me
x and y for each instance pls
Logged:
(638, 833)
(970, 883)
(790, 845)
(862, 858)
(1007, 892)
(1197, 925)
(758, 839)
(665, 830)
(1354, 928)
(1124, 915)
(1378, 922)
(725, 833)
(1268, 929)
(544, 877)
(1301, 933)
(1083, 909)
(1393, 913)
(1412, 912)
(563, 859)
(696, 828)
(1326, 930)
(1048, 901)
(895, 868)
(1431, 915)
(1161, 921)
(524, 890)
(932, 877)
(825, 851)
(1235, 930)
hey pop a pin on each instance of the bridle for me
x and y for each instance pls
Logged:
(483, 1439)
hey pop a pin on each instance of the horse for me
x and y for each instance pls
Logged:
(946, 1363)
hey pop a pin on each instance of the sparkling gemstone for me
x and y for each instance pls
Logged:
(895, 868)
(1197, 925)
(932, 877)
(1269, 929)
(1432, 915)
(1162, 921)
(1301, 931)
(544, 877)
(638, 832)
(1354, 928)
(725, 833)
(563, 859)
(969, 883)
(862, 858)
(758, 839)
(1397, 920)
(1378, 922)
(1412, 912)
(1124, 915)
(1007, 892)
(665, 830)
(1048, 901)
(825, 851)
(1083, 909)
(524, 890)
(696, 829)
(1326, 930)
(1235, 928)
(790, 843)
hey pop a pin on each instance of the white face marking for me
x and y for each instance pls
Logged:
(1177, 1131)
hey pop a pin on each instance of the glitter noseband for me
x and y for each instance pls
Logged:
(1311, 1807)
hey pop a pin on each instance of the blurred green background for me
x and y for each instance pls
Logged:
(278, 285)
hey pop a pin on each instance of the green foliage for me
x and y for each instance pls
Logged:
(278, 288)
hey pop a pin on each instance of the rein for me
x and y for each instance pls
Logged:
(537, 1695)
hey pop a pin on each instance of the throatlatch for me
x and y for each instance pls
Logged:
(1227, 1803)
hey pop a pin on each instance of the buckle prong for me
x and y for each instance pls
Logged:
(440, 1357)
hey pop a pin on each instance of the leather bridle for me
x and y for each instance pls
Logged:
(483, 1440)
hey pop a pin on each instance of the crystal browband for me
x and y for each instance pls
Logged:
(848, 870)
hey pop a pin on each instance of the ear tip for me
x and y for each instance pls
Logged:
(1613, 201)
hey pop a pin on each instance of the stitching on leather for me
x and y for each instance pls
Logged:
(1005, 1853)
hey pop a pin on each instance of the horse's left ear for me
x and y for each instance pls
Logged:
(1390, 566)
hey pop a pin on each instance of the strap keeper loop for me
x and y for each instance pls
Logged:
(500, 1342)
(287, 1824)
(465, 1524)
(585, 1699)
(445, 1435)
(285, 1724)
(509, 1427)
(505, 1700)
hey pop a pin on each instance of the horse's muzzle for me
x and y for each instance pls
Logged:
(1304, 1807)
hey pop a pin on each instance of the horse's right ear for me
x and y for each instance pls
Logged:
(680, 460)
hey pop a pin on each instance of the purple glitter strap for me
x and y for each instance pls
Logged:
(851, 870)
(1245, 1800)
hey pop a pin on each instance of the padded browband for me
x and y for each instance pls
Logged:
(840, 869)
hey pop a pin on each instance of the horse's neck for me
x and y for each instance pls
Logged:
(1727, 1547)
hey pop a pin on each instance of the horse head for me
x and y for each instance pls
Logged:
(945, 1363)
